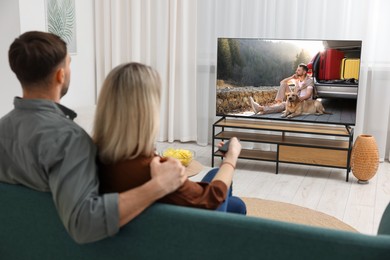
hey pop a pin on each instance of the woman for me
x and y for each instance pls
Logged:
(125, 129)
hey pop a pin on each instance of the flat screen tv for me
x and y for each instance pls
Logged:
(251, 67)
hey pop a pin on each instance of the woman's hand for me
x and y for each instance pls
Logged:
(234, 150)
(226, 170)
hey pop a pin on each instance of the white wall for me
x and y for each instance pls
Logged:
(82, 90)
(9, 30)
(25, 15)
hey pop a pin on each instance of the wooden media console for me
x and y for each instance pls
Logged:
(300, 143)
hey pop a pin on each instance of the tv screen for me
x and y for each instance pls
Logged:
(252, 69)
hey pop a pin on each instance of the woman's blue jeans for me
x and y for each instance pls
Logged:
(232, 204)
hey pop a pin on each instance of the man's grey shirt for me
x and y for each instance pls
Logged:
(42, 148)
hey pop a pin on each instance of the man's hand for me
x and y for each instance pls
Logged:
(167, 177)
(169, 174)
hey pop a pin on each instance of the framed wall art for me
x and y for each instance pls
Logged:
(61, 20)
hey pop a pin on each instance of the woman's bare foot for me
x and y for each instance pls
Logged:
(255, 106)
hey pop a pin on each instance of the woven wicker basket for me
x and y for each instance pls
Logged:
(364, 158)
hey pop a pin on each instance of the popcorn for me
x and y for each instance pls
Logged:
(184, 156)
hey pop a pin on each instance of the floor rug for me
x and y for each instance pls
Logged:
(292, 213)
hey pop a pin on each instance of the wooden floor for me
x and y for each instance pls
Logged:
(318, 188)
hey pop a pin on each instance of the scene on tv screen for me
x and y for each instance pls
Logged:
(317, 80)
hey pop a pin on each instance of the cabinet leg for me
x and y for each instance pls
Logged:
(212, 155)
(212, 147)
(277, 157)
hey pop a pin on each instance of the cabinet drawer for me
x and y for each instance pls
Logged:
(317, 156)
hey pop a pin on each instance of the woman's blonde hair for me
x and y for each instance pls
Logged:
(127, 113)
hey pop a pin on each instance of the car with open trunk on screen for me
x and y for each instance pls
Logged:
(336, 69)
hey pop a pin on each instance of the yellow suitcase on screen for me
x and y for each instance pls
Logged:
(350, 68)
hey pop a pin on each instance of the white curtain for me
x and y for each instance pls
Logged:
(160, 33)
(179, 38)
(366, 20)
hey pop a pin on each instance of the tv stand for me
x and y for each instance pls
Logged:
(322, 145)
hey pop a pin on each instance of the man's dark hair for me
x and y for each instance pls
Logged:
(34, 56)
(304, 67)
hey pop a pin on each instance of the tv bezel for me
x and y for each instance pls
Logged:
(310, 119)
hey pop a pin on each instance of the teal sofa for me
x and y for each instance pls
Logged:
(30, 229)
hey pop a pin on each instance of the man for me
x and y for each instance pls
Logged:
(42, 148)
(304, 87)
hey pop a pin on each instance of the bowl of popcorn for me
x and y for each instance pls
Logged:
(183, 155)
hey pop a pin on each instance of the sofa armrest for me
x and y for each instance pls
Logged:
(384, 225)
